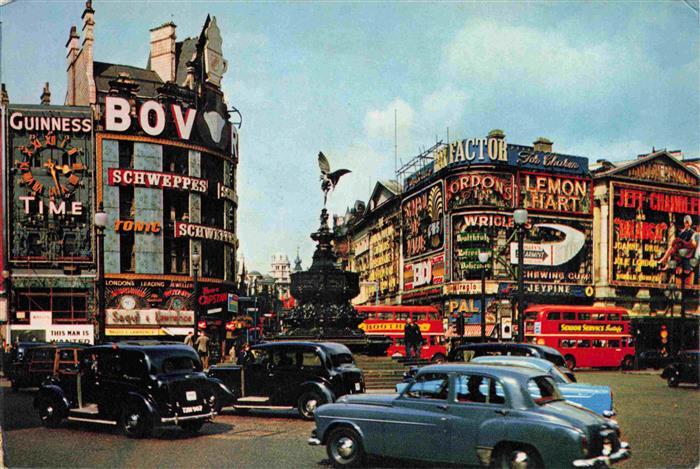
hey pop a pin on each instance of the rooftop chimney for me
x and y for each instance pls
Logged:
(497, 134)
(87, 55)
(163, 51)
(72, 49)
(46, 95)
(543, 144)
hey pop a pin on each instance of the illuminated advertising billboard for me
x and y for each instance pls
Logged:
(647, 227)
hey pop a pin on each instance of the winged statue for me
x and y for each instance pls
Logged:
(328, 179)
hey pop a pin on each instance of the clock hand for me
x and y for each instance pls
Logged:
(52, 167)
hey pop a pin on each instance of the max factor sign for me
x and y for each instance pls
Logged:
(191, 230)
(135, 177)
(475, 150)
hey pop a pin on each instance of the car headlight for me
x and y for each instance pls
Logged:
(607, 446)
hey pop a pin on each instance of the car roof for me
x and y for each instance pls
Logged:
(533, 362)
(64, 345)
(519, 373)
(143, 346)
(332, 347)
(495, 345)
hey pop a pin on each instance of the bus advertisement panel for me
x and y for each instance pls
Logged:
(587, 336)
(390, 321)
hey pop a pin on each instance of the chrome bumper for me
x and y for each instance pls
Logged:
(605, 461)
(314, 441)
(177, 419)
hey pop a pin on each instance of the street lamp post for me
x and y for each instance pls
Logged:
(483, 259)
(7, 283)
(195, 307)
(520, 218)
(100, 224)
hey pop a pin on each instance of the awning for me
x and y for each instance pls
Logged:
(177, 330)
(474, 330)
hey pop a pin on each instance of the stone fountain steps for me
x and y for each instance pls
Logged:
(384, 372)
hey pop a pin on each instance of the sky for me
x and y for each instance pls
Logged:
(600, 79)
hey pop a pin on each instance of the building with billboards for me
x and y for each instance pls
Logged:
(459, 201)
(647, 234)
(49, 207)
(166, 153)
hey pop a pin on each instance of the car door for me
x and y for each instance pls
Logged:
(284, 376)
(416, 427)
(479, 402)
(256, 371)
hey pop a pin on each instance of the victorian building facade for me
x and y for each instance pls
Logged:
(156, 150)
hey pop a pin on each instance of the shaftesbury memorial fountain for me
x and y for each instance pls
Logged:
(323, 292)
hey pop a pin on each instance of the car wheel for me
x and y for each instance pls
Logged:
(308, 403)
(438, 358)
(344, 448)
(627, 363)
(517, 458)
(50, 413)
(135, 421)
(673, 381)
(192, 426)
(570, 362)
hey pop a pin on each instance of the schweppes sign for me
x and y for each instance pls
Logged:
(591, 328)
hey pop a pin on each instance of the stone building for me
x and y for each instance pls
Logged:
(166, 159)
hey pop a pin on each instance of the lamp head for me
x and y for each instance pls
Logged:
(520, 216)
(100, 219)
(195, 259)
(5, 274)
(483, 257)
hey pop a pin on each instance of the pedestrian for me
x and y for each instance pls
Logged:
(202, 346)
(244, 356)
(408, 334)
(232, 353)
(417, 340)
(189, 340)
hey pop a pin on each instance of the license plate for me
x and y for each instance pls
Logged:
(191, 395)
(189, 410)
(357, 386)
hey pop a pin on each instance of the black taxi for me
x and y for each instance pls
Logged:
(287, 375)
(136, 385)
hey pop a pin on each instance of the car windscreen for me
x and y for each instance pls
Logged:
(169, 361)
(339, 359)
(559, 377)
(555, 358)
(542, 389)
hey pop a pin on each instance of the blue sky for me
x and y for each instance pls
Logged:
(600, 79)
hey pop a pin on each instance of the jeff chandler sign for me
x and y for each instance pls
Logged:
(191, 230)
(140, 178)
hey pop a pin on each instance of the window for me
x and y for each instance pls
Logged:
(554, 316)
(583, 343)
(613, 343)
(600, 343)
(402, 316)
(126, 203)
(385, 316)
(542, 389)
(569, 316)
(66, 306)
(429, 386)
(584, 316)
(475, 388)
(133, 365)
(175, 160)
(464, 355)
(126, 154)
(127, 253)
(600, 316)
(614, 316)
(309, 360)
(282, 359)
(176, 252)
(567, 343)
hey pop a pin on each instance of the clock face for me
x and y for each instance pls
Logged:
(50, 166)
(128, 302)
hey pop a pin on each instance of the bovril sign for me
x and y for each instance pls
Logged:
(151, 117)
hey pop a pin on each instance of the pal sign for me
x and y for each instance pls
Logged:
(151, 117)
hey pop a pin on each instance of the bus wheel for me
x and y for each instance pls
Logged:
(627, 363)
(438, 358)
(570, 362)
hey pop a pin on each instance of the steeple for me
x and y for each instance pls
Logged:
(297, 263)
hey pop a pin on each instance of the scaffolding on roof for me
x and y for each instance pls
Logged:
(418, 163)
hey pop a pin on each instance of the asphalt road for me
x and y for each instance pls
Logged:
(661, 424)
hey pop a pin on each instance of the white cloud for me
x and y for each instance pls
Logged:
(379, 123)
(444, 106)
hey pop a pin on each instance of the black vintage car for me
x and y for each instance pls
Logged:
(18, 357)
(40, 362)
(137, 385)
(291, 374)
(684, 369)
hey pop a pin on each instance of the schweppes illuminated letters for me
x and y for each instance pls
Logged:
(191, 230)
(140, 178)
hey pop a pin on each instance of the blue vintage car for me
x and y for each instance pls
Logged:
(597, 398)
(472, 415)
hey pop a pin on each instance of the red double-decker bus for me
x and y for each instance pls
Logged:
(587, 336)
(390, 321)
